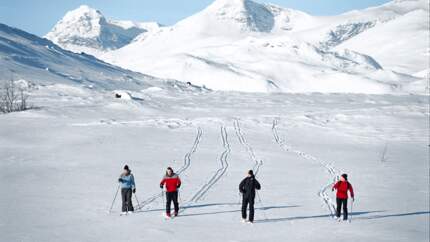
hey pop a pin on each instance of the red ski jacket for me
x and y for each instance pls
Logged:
(172, 183)
(342, 189)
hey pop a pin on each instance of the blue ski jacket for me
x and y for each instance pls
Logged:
(127, 181)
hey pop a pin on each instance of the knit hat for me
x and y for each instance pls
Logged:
(251, 172)
(126, 168)
(345, 176)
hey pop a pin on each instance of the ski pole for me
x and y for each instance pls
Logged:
(350, 213)
(179, 196)
(180, 200)
(261, 203)
(116, 194)
(162, 194)
(137, 200)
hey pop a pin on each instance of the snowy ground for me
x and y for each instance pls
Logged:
(59, 165)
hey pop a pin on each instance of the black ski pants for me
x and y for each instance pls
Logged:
(342, 203)
(172, 197)
(248, 200)
(127, 204)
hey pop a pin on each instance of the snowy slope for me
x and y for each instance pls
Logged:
(400, 44)
(40, 62)
(243, 17)
(87, 30)
(60, 164)
(331, 31)
(265, 48)
(395, 34)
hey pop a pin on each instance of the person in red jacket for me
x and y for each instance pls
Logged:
(172, 182)
(342, 187)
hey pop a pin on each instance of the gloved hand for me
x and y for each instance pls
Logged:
(120, 180)
(178, 186)
(161, 186)
(134, 190)
(353, 199)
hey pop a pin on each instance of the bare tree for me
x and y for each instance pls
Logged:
(13, 98)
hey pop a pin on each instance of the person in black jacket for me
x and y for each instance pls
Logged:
(247, 189)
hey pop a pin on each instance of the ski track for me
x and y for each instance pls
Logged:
(218, 174)
(249, 149)
(328, 166)
(183, 168)
(187, 157)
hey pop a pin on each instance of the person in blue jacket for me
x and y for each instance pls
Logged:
(128, 187)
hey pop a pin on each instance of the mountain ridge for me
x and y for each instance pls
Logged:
(243, 45)
(87, 30)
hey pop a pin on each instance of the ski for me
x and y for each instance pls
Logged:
(126, 214)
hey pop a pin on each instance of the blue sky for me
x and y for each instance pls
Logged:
(39, 16)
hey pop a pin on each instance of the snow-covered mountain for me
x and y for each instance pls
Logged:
(401, 44)
(243, 45)
(395, 34)
(60, 161)
(87, 30)
(39, 61)
(242, 18)
(247, 46)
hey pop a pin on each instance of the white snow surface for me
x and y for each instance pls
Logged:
(60, 164)
(61, 160)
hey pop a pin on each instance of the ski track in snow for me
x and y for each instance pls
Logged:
(328, 166)
(187, 158)
(171, 123)
(185, 166)
(218, 174)
(249, 149)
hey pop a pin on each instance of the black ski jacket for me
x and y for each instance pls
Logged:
(248, 186)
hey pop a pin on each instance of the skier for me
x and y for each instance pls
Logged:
(128, 187)
(342, 187)
(173, 183)
(247, 188)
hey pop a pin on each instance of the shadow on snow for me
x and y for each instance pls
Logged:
(220, 212)
(272, 220)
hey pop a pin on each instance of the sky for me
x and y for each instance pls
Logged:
(39, 16)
